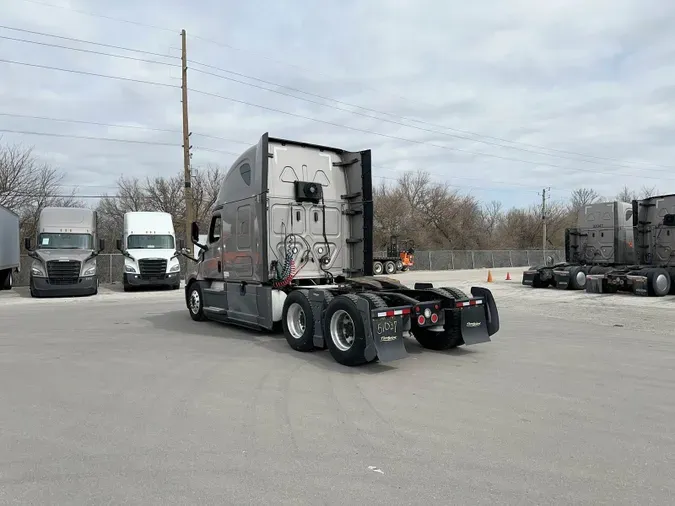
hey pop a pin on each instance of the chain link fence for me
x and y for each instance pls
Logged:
(110, 266)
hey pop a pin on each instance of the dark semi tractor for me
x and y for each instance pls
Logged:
(654, 271)
(290, 246)
(601, 241)
(64, 257)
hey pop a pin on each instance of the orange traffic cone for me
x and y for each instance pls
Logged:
(508, 276)
(489, 279)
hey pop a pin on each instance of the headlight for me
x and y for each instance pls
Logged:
(175, 268)
(129, 268)
(37, 271)
(90, 271)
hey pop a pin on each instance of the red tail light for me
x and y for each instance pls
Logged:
(421, 320)
(434, 318)
(417, 309)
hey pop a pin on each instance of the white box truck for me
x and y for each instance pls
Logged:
(149, 249)
(10, 249)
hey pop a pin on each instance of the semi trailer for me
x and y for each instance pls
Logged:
(149, 248)
(602, 240)
(10, 247)
(290, 247)
(64, 258)
(654, 269)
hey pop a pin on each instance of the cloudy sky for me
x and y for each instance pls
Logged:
(496, 98)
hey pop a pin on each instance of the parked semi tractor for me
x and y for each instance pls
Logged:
(602, 240)
(10, 248)
(149, 249)
(290, 245)
(64, 258)
(654, 269)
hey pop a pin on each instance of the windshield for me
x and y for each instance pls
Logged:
(65, 241)
(150, 242)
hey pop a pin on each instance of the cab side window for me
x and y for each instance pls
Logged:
(214, 229)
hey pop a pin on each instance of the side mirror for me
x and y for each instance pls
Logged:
(181, 244)
(101, 245)
(28, 244)
(118, 244)
(194, 232)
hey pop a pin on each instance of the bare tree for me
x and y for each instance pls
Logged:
(582, 197)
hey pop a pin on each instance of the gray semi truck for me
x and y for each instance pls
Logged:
(64, 258)
(653, 273)
(290, 246)
(10, 248)
(601, 241)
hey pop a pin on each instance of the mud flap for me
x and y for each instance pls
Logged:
(384, 331)
(639, 284)
(562, 279)
(528, 277)
(492, 315)
(474, 325)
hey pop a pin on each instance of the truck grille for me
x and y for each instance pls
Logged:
(63, 273)
(152, 268)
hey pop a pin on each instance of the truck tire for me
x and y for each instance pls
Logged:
(449, 338)
(195, 302)
(297, 321)
(577, 278)
(344, 332)
(455, 293)
(378, 268)
(390, 267)
(399, 265)
(6, 280)
(658, 282)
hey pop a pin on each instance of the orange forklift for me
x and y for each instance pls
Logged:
(399, 258)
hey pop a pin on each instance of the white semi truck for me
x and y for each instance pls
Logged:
(64, 258)
(290, 244)
(10, 248)
(149, 249)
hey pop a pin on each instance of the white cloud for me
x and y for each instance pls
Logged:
(587, 77)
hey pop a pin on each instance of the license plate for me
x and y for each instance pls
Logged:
(388, 329)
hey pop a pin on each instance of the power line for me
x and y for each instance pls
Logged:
(315, 72)
(436, 131)
(83, 41)
(112, 125)
(394, 137)
(90, 51)
(111, 139)
(85, 73)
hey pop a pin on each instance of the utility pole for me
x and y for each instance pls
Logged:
(189, 205)
(543, 218)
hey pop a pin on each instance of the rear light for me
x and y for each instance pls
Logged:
(421, 320)
(437, 307)
(427, 313)
(434, 318)
(417, 309)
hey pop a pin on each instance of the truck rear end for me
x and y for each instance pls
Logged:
(298, 252)
(10, 248)
(654, 229)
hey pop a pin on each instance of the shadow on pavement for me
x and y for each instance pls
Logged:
(181, 323)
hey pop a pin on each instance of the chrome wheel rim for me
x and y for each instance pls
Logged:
(194, 301)
(342, 331)
(296, 320)
(581, 278)
(661, 282)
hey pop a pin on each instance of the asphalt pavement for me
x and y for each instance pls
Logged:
(123, 399)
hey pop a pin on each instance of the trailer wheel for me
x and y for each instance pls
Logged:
(378, 268)
(658, 282)
(298, 321)
(577, 278)
(344, 331)
(390, 267)
(399, 265)
(195, 302)
(456, 293)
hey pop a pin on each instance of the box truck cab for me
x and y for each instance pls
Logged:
(149, 249)
(64, 258)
